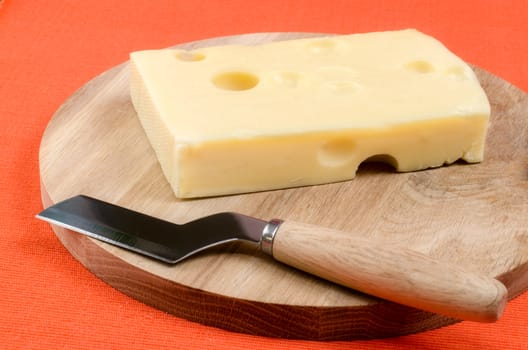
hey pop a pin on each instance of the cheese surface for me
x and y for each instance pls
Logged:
(233, 119)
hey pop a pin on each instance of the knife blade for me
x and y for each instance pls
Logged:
(389, 272)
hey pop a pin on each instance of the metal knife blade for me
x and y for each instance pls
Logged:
(393, 273)
(148, 235)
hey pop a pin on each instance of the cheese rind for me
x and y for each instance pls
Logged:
(234, 119)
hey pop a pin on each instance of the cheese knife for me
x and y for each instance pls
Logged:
(386, 271)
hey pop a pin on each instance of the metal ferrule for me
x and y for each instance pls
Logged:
(268, 234)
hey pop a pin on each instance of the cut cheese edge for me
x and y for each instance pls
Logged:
(234, 119)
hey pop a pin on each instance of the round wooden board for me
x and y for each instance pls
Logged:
(471, 215)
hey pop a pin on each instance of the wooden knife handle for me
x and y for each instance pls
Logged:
(390, 272)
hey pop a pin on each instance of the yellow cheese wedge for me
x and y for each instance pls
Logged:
(234, 119)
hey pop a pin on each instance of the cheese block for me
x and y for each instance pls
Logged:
(233, 119)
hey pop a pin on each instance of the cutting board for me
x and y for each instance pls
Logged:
(470, 215)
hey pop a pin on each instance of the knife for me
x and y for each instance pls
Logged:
(386, 271)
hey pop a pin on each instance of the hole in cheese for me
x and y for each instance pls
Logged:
(236, 81)
(321, 46)
(457, 72)
(337, 152)
(420, 67)
(286, 79)
(380, 163)
(188, 56)
(382, 158)
(340, 86)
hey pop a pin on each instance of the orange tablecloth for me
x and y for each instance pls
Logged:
(48, 49)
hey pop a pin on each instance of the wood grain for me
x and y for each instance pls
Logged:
(470, 215)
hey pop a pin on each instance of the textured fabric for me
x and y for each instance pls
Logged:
(48, 49)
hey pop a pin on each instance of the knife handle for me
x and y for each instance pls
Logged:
(388, 271)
